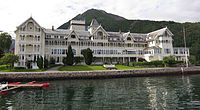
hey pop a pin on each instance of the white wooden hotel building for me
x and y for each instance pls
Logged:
(32, 40)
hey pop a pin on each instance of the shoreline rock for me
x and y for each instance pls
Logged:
(54, 75)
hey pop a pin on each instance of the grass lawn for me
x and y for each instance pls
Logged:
(4, 69)
(21, 70)
(98, 68)
(122, 67)
(82, 68)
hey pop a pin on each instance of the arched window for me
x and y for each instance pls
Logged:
(128, 38)
(100, 35)
(30, 26)
(73, 36)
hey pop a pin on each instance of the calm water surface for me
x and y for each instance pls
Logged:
(143, 93)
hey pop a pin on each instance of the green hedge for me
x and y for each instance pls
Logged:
(3, 67)
(156, 63)
(19, 68)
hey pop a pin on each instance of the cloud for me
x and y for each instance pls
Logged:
(57, 12)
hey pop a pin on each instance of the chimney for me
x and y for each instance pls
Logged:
(52, 28)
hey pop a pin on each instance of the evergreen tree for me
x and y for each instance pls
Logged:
(88, 56)
(77, 60)
(65, 60)
(52, 60)
(1, 52)
(70, 56)
(40, 62)
(46, 63)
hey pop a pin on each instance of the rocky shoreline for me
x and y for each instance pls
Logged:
(7, 76)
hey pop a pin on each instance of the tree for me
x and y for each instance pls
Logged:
(5, 41)
(1, 52)
(40, 62)
(46, 63)
(88, 56)
(77, 60)
(64, 60)
(70, 56)
(9, 59)
(52, 60)
(169, 60)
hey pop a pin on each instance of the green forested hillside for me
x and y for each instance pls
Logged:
(115, 23)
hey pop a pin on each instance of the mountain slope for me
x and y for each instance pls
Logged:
(115, 23)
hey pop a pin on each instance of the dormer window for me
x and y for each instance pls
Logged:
(73, 36)
(128, 38)
(100, 35)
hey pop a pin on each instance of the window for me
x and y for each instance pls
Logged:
(22, 48)
(175, 51)
(157, 51)
(46, 42)
(181, 51)
(167, 51)
(56, 37)
(74, 51)
(55, 51)
(63, 51)
(100, 35)
(38, 38)
(51, 51)
(48, 36)
(38, 49)
(128, 38)
(22, 57)
(73, 36)
(61, 37)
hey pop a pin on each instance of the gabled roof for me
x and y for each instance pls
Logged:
(94, 22)
(125, 35)
(100, 27)
(153, 35)
(31, 18)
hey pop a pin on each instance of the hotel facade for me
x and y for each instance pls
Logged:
(32, 41)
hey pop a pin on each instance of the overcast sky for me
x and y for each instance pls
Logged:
(57, 12)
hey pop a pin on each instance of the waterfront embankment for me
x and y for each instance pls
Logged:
(52, 75)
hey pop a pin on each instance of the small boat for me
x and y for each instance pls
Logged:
(44, 85)
(3, 86)
(12, 86)
(14, 83)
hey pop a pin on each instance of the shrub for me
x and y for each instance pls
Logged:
(169, 60)
(156, 63)
(19, 68)
(77, 60)
(52, 60)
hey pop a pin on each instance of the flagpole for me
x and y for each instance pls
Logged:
(186, 59)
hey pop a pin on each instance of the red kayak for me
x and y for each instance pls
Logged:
(14, 83)
(45, 85)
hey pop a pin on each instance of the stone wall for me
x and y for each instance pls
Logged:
(20, 76)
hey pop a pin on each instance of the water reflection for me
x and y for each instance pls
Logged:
(150, 93)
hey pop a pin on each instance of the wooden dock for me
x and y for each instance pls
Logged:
(16, 86)
(26, 85)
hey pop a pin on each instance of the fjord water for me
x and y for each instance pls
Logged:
(136, 93)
